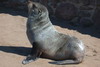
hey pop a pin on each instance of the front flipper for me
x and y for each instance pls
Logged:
(34, 55)
(29, 59)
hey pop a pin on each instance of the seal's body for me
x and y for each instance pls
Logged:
(48, 42)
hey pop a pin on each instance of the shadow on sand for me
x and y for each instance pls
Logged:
(23, 51)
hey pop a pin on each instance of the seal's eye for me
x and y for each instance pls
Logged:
(40, 11)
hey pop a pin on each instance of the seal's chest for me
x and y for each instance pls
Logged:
(45, 38)
(47, 34)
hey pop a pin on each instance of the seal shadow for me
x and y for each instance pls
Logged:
(23, 51)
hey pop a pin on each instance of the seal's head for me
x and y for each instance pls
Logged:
(37, 10)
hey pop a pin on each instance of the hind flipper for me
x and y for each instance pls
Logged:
(63, 62)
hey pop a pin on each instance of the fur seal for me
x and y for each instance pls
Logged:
(48, 42)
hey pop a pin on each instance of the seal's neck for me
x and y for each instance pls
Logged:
(36, 23)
